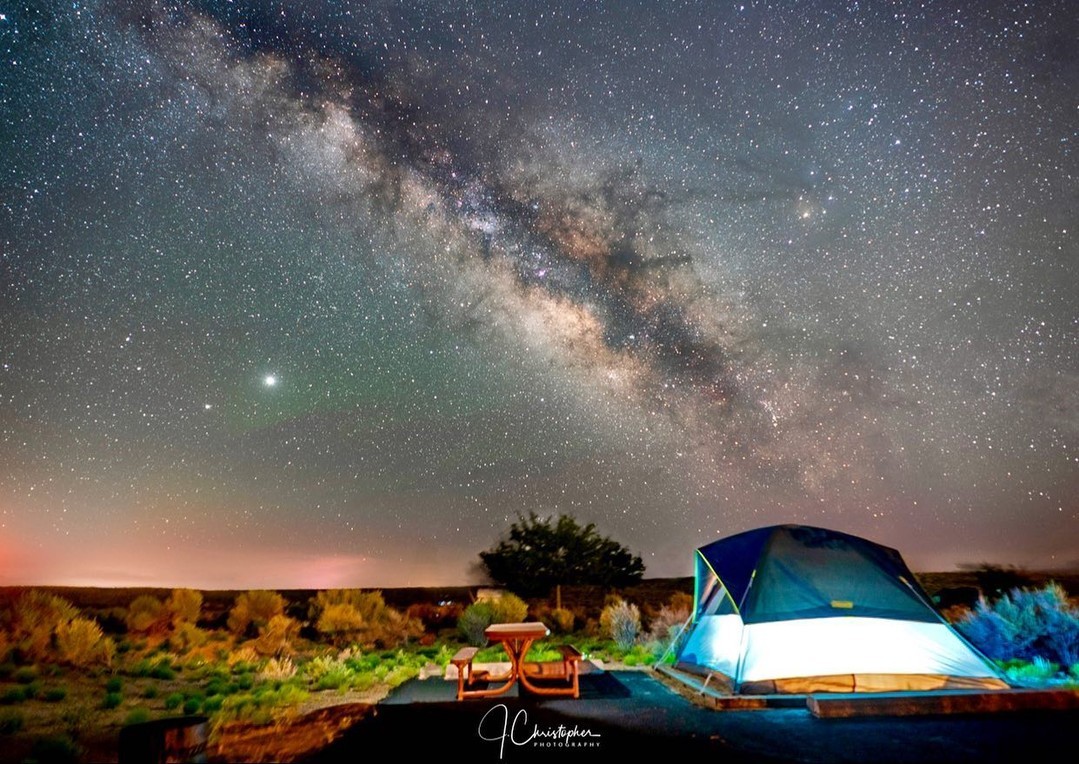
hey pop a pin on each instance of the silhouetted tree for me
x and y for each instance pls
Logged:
(540, 553)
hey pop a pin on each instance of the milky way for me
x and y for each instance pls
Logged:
(311, 293)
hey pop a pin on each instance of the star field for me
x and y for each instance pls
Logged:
(326, 293)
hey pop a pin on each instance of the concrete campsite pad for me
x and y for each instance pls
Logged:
(638, 712)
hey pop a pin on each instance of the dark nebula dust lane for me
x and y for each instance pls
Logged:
(311, 294)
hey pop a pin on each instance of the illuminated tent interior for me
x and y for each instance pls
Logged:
(797, 609)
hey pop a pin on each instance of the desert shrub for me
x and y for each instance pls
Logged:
(668, 622)
(275, 638)
(13, 695)
(213, 704)
(1034, 673)
(261, 707)
(150, 692)
(137, 715)
(1026, 624)
(55, 749)
(81, 642)
(173, 700)
(474, 620)
(315, 668)
(335, 678)
(55, 694)
(10, 722)
(621, 621)
(560, 620)
(115, 684)
(34, 618)
(112, 700)
(254, 610)
(339, 621)
(147, 615)
(505, 608)
(508, 608)
(192, 705)
(352, 615)
(184, 607)
(26, 674)
(243, 659)
(639, 655)
(278, 668)
(186, 637)
(163, 670)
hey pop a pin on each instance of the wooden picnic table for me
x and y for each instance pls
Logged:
(516, 639)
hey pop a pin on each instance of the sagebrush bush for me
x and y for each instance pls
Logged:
(34, 618)
(1026, 624)
(275, 638)
(508, 608)
(112, 700)
(621, 621)
(187, 637)
(560, 620)
(353, 615)
(278, 668)
(254, 610)
(139, 715)
(474, 620)
(668, 622)
(147, 615)
(184, 606)
(81, 642)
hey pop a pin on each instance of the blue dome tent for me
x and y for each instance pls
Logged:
(798, 609)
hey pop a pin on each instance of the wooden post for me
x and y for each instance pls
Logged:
(558, 596)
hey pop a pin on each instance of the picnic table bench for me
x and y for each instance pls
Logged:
(516, 639)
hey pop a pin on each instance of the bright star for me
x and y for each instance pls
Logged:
(269, 380)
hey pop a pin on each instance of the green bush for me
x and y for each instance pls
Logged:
(115, 684)
(174, 700)
(112, 700)
(10, 722)
(212, 704)
(163, 670)
(474, 620)
(508, 608)
(1034, 673)
(150, 692)
(32, 690)
(192, 705)
(13, 695)
(55, 694)
(138, 715)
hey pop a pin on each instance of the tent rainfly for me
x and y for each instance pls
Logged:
(797, 609)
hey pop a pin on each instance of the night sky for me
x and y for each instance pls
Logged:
(310, 294)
